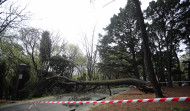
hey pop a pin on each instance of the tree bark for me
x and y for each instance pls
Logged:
(178, 68)
(147, 56)
(126, 81)
(135, 63)
(169, 57)
(161, 75)
(109, 90)
(189, 71)
(144, 75)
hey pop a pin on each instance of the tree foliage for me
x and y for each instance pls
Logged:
(121, 46)
(129, 49)
(168, 31)
(45, 49)
(127, 39)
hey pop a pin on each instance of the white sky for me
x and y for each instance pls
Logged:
(71, 18)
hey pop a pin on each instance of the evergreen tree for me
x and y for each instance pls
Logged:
(45, 50)
(122, 42)
(147, 54)
(167, 30)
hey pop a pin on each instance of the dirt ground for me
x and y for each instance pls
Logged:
(159, 106)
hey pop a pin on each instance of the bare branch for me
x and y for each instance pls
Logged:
(11, 17)
(91, 53)
(2, 1)
(29, 38)
(108, 3)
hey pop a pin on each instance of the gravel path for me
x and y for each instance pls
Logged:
(68, 97)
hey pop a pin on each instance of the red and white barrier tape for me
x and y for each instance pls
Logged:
(110, 101)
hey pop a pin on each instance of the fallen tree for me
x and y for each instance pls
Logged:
(143, 86)
(140, 84)
(126, 81)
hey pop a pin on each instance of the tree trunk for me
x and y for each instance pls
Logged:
(178, 68)
(161, 68)
(140, 84)
(135, 63)
(126, 81)
(89, 71)
(143, 66)
(34, 63)
(147, 56)
(189, 71)
(169, 68)
(109, 90)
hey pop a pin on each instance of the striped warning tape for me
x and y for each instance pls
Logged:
(110, 101)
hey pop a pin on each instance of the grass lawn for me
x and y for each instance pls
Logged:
(159, 106)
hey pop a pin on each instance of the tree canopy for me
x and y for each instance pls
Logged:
(137, 48)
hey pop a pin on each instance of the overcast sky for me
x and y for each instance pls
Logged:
(71, 18)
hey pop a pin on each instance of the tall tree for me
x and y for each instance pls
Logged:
(168, 30)
(147, 54)
(182, 19)
(126, 31)
(45, 50)
(13, 56)
(121, 47)
(30, 40)
(91, 53)
(75, 56)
